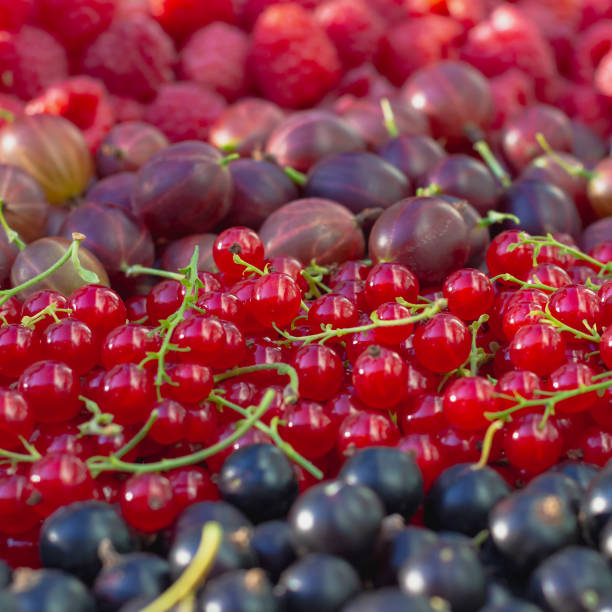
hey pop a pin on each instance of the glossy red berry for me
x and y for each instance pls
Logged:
(38, 301)
(549, 274)
(596, 446)
(147, 502)
(127, 392)
(466, 400)
(529, 447)
(363, 429)
(204, 336)
(233, 348)
(469, 293)
(291, 266)
(521, 383)
(319, 371)
(504, 258)
(99, 307)
(18, 499)
(128, 343)
(241, 241)
(519, 314)
(136, 307)
(202, 423)
(191, 382)
(164, 299)
(379, 377)
(276, 299)
(51, 389)
(538, 347)
(443, 343)
(171, 423)
(392, 334)
(19, 348)
(570, 377)
(190, 485)
(424, 414)
(386, 281)
(573, 304)
(331, 309)
(223, 305)
(10, 311)
(72, 342)
(261, 351)
(16, 419)
(428, 454)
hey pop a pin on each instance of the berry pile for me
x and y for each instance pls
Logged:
(292, 290)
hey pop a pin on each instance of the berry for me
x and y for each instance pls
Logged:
(128, 343)
(133, 57)
(466, 400)
(30, 60)
(505, 258)
(387, 281)
(276, 299)
(75, 23)
(241, 241)
(568, 377)
(71, 341)
(319, 371)
(99, 307)
(14, 13)
(204, 336)
(82, 100)
(331, 309)
(538, 347)
(171, 423)
(294, 62)
(215, 56)
(363, 429)
(184, 111)
(395, 334)
(16, 419)
(147, 502)
(469, 293)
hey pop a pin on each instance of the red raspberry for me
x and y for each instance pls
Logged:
(593, 11)
(294, 62)
(603, 76)
(30, 61)
(249, 10)
(126, 109)
(509, 40)
(10, 104)
(216, 56)
(585, 104)
(130, 8)
(76, 24)
(82, 100)
(390, 10)
(182, 17)
(512, 92)
(184, 111)
(353, 27)
(416, 43)
(14, 13)
(466, 12)
(134, 57)
(590, 49)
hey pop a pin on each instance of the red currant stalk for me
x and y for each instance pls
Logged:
(71, 253)
(494, 216)
(272, 431)
(594, 336)
(487, 442)
(427, 312)
(530, 284)
(314, 274)
(478, 355)
(11, 234)
(32, 456)
(137, 269)
(549, 399)
(389, 118)
(50, 310)
(483, 149)
(190, 580)
(573, 170)
(100, 424)
(193, 284)
(291, 390)
(97, 465)
(431, 190)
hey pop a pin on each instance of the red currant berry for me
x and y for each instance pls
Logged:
(601, 410)
(466, 400)
(276, 299)
(570, 377)
(573, 304)
(549, 274)
(380, 377)
(426, 415)
(392, 334)
(443, 343)
(319, 371)
(16, 419)
(386, 281)
(354, 291)
(520, 383)
(335, 310)
(10, 311)
(469, 293)
(60, 480)
(519, 314)
(291, 266)
(261, 351)
(341, 405)
(527, 294)
(72, 342)
(202, 423)
(18, 498)
(529, 447)
(190, 485)
(171, 423)
(349, 271)
(147, 502)
(39, 301)
(127, 393)
(136, 307)
(164, 299)
(204, 336)
(459, 445)
(241, 241)
(223, 305)
(99, 307)
(51, 389)
(129, 343)
(191, 382)
(427, 452)
(538, 347)
(365, 429)
(596, 446)
(19, 348)
(503, 258)
(233, 349)
(358, 343)
(308, 429)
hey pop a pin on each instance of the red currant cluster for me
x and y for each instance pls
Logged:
(319, 361)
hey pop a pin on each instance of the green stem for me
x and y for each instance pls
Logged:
(11, 234)
(299, 178)
(430, 190)
(530, 284)
(577, 170)
(493, 216)
(281, 368)
(496, 168)
(137, 269)
(139, 437)
(389, 118)
(476, 353)
(228, 158)
(487, 443)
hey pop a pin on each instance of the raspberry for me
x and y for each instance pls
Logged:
(353, 27)
(14, 13)
(249, 10)
(182, 17)
(216, 56)
(466, 12)
(30, 61)
(512, 92)
(294, 62)
(133, 58)
(590, 49)
(82, 100)
(184, 111)
(509, 40)
(593, 11)
(76, 23)
(126, 109)
(416, 43)
(390, 10)
(585, 104)
(10, 104)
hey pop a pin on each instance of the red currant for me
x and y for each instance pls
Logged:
(504, 260)
(330, 309)
(223, 305)
(395, 334)
(204, 336)
(538, 347)
(466, 400)
(190, 485)
(128, 343)
(16, 419)
(517, 382)
(164, 299)
(427, 452)
(426, 415)
(319, 371)
(241, 241)
(573, 304)
(171, 423)
(147, 502)
(38, 301)
(72, 342)
(276, 299)
(386, 281)
(364, 429)
(99, 307)
(191, 382)
(568, 377)
(469, 293)
(19, 348)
